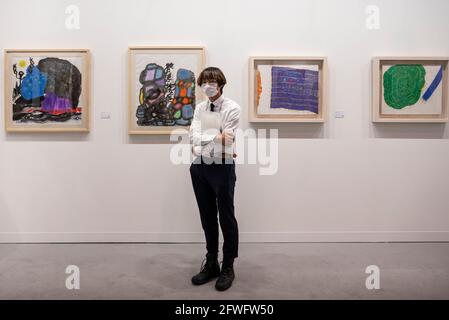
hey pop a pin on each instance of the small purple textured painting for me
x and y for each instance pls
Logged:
(294, 89)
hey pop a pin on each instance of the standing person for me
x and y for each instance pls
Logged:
(213, 176)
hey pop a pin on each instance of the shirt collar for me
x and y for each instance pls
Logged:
(217, 103)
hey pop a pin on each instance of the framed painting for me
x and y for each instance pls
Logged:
(287, 89)
(47, 90)
(162, 88)
(410, 89)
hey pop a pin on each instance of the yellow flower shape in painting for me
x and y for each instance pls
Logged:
(22, 63)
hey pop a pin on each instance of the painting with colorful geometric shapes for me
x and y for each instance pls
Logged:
(47, 91)
(163, 88)
(165, 101)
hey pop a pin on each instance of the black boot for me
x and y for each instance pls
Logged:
(225, 278)
(209, 271)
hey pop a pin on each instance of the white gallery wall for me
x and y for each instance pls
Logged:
(346, 180)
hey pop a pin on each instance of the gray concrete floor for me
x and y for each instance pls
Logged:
(263, 271)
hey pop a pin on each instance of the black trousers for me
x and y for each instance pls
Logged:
(213, 184)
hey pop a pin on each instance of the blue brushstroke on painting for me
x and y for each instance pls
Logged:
(434, 85)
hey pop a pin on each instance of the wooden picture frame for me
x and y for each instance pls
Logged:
(134, 97)
(256, 91)
(48, 105)
(419, 99)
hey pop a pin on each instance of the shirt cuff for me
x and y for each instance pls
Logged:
(217, 140)
(207, 138)
(197, 150)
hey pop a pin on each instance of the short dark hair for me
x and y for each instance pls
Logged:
(212, 74)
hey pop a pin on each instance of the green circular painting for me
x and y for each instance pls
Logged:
(403, 84)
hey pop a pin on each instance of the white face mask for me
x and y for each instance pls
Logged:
(210, 89)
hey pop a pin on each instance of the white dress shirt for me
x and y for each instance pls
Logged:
(206, 125)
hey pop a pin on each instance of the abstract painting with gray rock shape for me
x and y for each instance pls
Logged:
(165, 101)
(46, 91)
